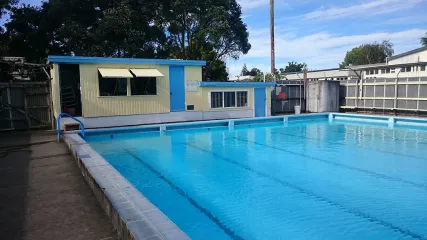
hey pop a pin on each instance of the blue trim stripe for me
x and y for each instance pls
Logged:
(237, 84)
(99, 60)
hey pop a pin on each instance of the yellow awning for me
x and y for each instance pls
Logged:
(115, 73)
(148, 72)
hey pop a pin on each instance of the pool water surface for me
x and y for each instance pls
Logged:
(305, 180)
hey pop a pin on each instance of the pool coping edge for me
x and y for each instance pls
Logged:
(130, 212)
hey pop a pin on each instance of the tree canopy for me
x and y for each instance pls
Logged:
(244, 71)
(6, 5)
(424, 41)
(368, 54)
(293, 67)
(210, 30)
(255, 71)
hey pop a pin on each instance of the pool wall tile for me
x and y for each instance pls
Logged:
(133, 215)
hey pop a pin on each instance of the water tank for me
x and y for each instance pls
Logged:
(323, 96)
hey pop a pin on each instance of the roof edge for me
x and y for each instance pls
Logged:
(106, 60)
(407, 53)
(237, 84)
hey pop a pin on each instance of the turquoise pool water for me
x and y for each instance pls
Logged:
(306, 180)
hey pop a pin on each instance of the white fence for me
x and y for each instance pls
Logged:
(395, 95)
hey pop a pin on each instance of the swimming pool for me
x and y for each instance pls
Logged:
(300, 180)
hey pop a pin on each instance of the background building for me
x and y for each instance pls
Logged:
(246, 78)
(323, 74)
(406, 65)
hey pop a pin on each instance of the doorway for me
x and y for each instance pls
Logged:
(260, 98)
(69, 86)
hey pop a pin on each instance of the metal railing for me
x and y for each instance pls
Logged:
(58, 124)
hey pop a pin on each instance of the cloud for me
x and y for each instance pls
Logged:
(318, 50)
(375, 7)
(413, 19)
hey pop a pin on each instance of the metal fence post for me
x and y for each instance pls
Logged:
(9, 102)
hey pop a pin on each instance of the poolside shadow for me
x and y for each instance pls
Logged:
(15, 150)
(42, 192)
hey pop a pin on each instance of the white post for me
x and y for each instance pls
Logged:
(231, 125)
(331, 117)
(391, 122)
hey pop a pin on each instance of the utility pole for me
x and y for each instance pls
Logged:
(273, 67)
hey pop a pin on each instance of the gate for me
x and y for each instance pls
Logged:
(24, 105)
(286, 95)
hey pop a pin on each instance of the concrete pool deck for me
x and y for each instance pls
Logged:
(43, 194)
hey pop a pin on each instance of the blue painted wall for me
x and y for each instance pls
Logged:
(177, 88)
(260, 102)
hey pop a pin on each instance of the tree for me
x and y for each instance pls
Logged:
(254, 71)
(26, 33)
(5, 5)
(424, 41)
(259, 77)
(191, 24)
(293, 67)
(268, 77)
(244, 71)
(216, 70)
(368, 54)
(210, 30)
(122, 28)
(272, 77)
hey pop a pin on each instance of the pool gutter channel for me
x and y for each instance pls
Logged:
(132, 214)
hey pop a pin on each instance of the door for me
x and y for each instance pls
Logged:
(177, 88)
(260, 102)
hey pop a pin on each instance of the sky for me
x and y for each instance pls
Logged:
(320, 32)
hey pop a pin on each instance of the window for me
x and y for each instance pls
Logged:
(143, 86)
(216, 99)
(371, 72)
(387, 70)
(406, 69)
(376, 71)
(112, 86)
(242, 99)
(383, 71)
(367, 72)
(229, 99)
(422, 68)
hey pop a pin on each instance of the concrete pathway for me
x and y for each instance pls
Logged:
(43, 194)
